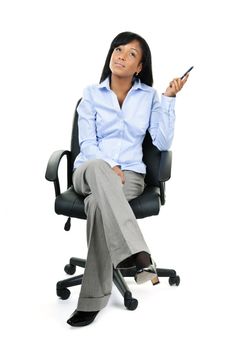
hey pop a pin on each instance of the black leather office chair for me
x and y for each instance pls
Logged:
(70, 204)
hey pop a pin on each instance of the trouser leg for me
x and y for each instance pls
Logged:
(112, 230)
(97, 280)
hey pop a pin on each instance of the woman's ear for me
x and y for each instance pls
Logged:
(140, 67)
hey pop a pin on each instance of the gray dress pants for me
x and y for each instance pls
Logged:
(113, 234)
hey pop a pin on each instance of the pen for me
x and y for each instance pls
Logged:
(187, 72)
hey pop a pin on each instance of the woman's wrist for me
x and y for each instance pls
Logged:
(168, 95)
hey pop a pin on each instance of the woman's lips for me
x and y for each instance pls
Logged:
(118, 64)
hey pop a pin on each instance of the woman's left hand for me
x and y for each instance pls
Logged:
(175, 86)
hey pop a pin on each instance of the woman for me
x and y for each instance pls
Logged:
(113, 118)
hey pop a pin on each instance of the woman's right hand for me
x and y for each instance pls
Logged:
(119, 172)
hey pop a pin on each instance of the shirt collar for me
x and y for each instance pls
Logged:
(136, 86)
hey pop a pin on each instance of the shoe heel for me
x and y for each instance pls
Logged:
(155, 280)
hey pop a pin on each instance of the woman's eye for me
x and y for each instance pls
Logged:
(118, 49)
(132, 54)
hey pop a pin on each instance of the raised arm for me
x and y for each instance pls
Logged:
(162, 121)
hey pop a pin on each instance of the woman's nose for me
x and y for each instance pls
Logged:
(121, 56)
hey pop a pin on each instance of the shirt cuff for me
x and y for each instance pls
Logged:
(111, 162)
(168, 102)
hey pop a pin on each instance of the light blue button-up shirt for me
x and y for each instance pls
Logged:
(115, 134)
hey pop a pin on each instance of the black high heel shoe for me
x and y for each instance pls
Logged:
(82, 318)
(147, 274)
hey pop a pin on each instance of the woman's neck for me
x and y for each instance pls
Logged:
(119, 85)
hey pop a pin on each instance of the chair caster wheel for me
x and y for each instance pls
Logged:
(70, 269)
(63, 293)
(129, 302)
(174, 280)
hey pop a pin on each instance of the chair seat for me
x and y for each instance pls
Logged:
(69, 203)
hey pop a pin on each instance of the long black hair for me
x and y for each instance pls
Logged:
(124, 38)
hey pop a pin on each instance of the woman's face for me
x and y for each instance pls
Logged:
(126, 60)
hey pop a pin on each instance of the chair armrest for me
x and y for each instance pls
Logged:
(165, 165)
(53, 166)
(164, 172)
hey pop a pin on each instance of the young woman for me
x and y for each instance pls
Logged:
(113, 118)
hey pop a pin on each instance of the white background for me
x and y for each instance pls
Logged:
(50, 50)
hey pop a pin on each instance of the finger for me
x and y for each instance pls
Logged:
(185, 79)
(180, 83)
(175, 85)
(121, 178)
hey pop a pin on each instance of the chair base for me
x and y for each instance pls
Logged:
(118, 278)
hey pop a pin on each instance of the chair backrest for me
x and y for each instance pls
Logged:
(151, 154)
(75, 148)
